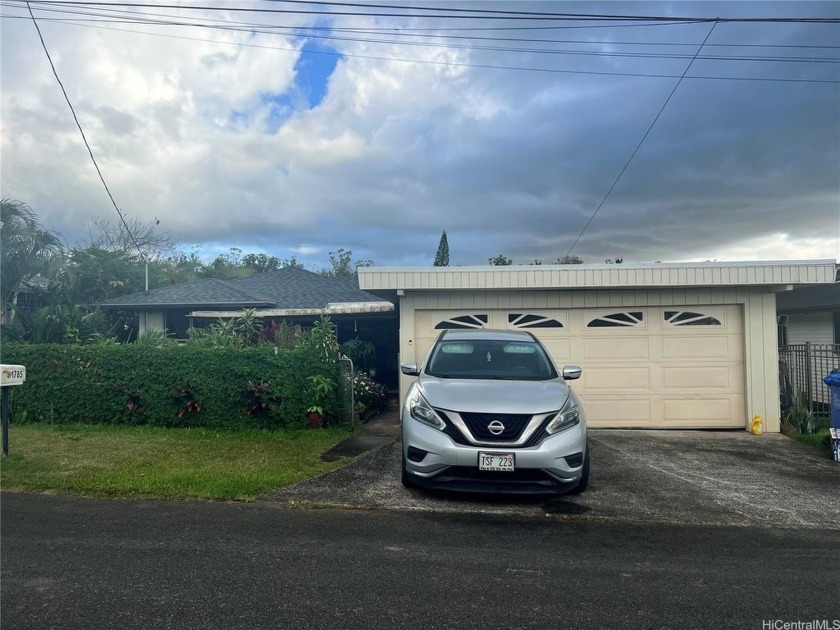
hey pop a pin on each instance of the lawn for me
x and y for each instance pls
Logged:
(820, 439)
(119, 461)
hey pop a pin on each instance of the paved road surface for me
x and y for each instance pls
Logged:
(80, 563)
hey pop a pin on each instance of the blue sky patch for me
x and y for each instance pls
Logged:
(313, 70)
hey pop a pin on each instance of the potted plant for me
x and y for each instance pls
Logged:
(320, 387)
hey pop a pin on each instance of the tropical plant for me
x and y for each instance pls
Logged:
(282, 335)
(155, 338)
(320, 388)
(368, 395)
(361, 352)
(26, 249)
(260, 398)
(249, 327)
(800, 416)
(321, 339)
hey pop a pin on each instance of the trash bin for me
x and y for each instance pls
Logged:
(833, 382)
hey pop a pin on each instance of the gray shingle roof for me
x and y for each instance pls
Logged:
(824, 296)
(287, 288)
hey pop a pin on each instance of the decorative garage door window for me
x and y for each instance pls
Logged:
(626, 319)
(690, 318)
(531, 320)
(463, 321)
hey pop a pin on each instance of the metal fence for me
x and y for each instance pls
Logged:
(346, 393)
(801, 371)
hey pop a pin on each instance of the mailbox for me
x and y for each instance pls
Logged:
(12, 375)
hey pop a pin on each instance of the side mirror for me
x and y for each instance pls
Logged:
(571, 372)
(409, 369)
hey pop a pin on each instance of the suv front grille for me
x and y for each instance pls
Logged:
(514, 425)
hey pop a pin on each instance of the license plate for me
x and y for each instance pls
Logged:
(495, 461)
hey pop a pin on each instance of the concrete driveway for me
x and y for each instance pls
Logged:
(695, 477)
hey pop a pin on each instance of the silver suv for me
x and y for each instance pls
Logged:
(489, 412)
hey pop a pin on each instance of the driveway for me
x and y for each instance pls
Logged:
(693, 477)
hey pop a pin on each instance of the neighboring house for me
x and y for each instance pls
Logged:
(809, 315)
(809, 343)
(25, 299)
(689, 345)
(292, 295)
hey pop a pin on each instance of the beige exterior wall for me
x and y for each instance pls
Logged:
(757, 356)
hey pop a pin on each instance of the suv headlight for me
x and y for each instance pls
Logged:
(567, 417)
(422, 411)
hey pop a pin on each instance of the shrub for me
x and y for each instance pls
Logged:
(169, 385)
(368, 395)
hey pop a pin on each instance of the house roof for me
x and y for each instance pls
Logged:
(287, 288)
(619, 276)
(810, 298)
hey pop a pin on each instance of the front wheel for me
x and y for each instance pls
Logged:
(406, 480)
(584, 475)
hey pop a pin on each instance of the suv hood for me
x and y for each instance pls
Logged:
(494, 396)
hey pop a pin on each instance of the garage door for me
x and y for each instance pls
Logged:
(642, 367)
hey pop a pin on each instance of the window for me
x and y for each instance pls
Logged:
(530, 320)
(690, 318)
(463, 321)
(613, 320)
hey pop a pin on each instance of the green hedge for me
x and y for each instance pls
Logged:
(177, 385)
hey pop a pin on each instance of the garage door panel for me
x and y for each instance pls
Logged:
(560, 349)
(695, 347)
(617, 348)
(700, 378)
(629, 412)
(705, 410)
(608, 379)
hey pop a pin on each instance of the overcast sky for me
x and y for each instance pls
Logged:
(375, 133)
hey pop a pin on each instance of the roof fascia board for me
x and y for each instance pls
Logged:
(766, 274)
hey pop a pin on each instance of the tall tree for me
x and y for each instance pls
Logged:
(112, 235)
(26, 249)
(500, 261)
(442, 256)
(341, 264)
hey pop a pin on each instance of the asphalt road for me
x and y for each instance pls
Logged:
(70, 562)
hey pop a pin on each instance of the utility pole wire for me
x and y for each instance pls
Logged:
(84, 139)
(642, 141)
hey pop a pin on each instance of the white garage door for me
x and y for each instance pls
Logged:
(642, 367)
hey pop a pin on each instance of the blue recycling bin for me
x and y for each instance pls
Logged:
(833, 382)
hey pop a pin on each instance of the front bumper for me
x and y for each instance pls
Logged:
(538, 469)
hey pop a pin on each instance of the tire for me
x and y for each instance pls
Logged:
(406, 480)
(584, 476)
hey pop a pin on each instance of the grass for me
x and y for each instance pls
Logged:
(819, 439)
(119, 461)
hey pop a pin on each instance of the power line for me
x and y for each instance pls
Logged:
(82, 132)
(448, 13)
(462, 64)
(641, 142)
(254, 28)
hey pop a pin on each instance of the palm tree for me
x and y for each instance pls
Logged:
(26, 249)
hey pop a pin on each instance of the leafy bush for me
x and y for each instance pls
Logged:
(368, 395)
(168, 385)
(361, 352)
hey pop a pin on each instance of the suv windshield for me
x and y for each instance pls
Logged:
(491, 359)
